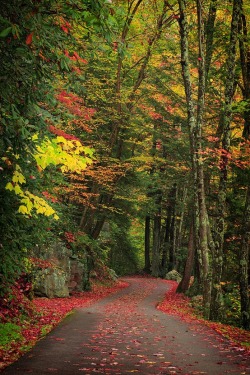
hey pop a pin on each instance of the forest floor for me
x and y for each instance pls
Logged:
(145, 328)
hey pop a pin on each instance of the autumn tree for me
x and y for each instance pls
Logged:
(34, 37)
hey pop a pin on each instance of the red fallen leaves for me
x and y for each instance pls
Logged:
(46, 313)
(54, 309)
(13, 305)
(178, 304)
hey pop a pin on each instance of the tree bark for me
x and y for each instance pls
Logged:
(155, 269)
(216, 292)
(245, 68)
(244, 266)
(147, 245)
(180, 225)
(195, 130)
(244, 251)
(185, 282)
(173, 230)
(209, 31)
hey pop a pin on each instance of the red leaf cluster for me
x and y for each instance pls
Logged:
(16, 301)
(75, 105)
(29, 39)
(49, 196)
(52, 129)
(41, 263)
(65, 26)
(75, 57)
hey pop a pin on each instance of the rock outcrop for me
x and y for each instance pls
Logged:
(173, 275)
(65, 273)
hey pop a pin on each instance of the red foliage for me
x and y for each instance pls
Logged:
(75, 105)
(49, 196)
(40, 263)
(178, 304)
(61, 133)
(29, 39)
(54, 309)
(75, 57)
(65, 26)
(16, 301)
(69, 238)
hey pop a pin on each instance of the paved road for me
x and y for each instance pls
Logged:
(125, 334)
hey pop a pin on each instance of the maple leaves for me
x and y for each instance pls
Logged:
(75, 105)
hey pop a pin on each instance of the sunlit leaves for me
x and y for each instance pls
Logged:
(64, 153)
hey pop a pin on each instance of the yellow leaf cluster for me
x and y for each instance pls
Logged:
(69, 155)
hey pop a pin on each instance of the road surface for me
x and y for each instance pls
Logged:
(125, 334)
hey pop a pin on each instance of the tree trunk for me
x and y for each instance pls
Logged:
(216, 292)
(147, 245)
(209, 31)
(195, 133)
(166, 243)
(244, 251)
(185, 282)
(180, 225)
(244, 265)
(173, 230)
(155, 270)
(245, 68)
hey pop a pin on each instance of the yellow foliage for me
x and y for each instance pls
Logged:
(69, 155)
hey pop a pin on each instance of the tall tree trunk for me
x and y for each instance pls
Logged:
(166, 242)
(173, 229)
(195, 129)
(244, 251)
(216, 293)
(169, 238)
(147, 245)
(115, 145)
(155, 269)
(244, 266)
(209, 31)
(245, 68)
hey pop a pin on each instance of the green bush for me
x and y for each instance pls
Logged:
(232, 306)
(9, 332)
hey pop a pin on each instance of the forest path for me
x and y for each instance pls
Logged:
(123, 334)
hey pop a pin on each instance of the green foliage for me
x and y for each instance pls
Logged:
(232, 307)
(123, 256)
(9, 332)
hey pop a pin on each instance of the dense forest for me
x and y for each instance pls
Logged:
(124, 134)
